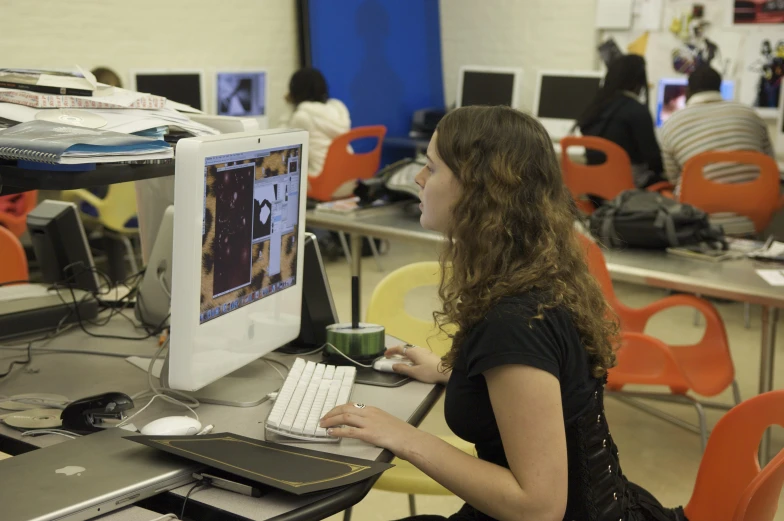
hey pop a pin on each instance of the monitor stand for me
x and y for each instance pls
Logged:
(248, 386)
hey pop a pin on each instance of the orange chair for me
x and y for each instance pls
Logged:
(14, 209)
(342, 165)
(758, 200)
(606, 180)
(729, 485)
(761, 498)
(13, 261)
(705, 368)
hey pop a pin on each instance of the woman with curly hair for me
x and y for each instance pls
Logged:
(533, 342)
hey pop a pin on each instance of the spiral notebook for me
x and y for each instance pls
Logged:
(56, 143)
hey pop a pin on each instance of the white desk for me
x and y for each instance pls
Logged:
(79, 376)
(733, 280)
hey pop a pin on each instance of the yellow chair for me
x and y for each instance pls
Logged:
(387, 307)
(115, 213)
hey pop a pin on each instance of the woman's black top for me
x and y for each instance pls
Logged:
(628, 123)
(510, 334)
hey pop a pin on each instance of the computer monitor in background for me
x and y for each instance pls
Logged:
(183, 86)
(562, 96)
(237, 255)
(61, 247)
(671, 96)
(488, 86)
(241, 93)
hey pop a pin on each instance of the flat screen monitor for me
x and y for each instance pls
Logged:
(241, 93)
(61, 247)
(488, 86)
(237, 253)
(562, 96)
(181, 86)
(671, 96)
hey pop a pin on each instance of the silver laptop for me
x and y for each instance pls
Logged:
(86, 477)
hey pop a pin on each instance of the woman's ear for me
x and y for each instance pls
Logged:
(287, 97)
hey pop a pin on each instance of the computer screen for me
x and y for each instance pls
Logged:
(182, 87)
(251, 215)
(241, 93)
(237, 258)
(671, 96)
(61, 246)
(488, 86)
(566, 96)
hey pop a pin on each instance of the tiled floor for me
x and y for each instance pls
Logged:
(657, 455)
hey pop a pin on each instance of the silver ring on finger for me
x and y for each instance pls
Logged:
(359, 405)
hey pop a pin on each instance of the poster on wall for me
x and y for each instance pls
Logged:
(753, 12)
(763, 70)
(690, 25)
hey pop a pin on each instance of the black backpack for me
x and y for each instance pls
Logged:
(641, 219)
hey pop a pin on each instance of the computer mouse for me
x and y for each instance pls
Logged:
(88, 415)
(172, 426)
(384, 364)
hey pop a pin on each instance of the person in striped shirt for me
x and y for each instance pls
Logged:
(707, 123)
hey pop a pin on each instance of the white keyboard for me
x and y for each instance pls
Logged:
(310, 391)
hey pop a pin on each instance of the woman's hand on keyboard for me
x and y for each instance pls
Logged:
(426, 364)
(371, 425)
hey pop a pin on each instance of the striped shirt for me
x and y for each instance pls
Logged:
(709, 123)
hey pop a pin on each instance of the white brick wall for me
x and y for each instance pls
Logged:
(136, 34)
(531, 34)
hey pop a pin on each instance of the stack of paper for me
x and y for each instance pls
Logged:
(46, 142)
(128, 121)
(30, 95)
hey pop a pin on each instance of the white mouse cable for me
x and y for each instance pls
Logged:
(341, 353)
(158, 393)
(67, 434)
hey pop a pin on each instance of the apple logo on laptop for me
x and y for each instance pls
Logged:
(70, 470)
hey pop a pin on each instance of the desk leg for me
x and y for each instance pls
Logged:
(356, 276)
(770, 318)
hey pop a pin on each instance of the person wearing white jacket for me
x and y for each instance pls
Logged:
(323, 118)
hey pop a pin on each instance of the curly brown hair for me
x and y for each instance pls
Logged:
(512, 231)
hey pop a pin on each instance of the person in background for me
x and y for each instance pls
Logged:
(314, 111)
(708, 122)
(107, 76)
(324, 119)
(534, 338)
(619, 113)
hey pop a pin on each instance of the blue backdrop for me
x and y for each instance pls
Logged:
(382, 58)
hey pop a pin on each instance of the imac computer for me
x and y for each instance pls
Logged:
(671, 96)
(488, 86)
(182, 86)
(237, 264)
(241, 93)
(562, 96)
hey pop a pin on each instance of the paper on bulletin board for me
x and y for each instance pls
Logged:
(647, 15)
(614, 14)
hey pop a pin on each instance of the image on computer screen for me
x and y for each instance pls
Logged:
(671, 97)
(241, 93)
(180, 87)
(249, 228)
(487, 88)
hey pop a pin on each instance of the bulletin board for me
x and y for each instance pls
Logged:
(742, 39)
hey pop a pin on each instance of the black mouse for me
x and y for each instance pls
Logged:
(85, 415)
